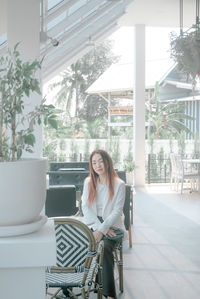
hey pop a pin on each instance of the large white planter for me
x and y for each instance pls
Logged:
(22, 191)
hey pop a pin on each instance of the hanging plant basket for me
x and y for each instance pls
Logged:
(185, 51)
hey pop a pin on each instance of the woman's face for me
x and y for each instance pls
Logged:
(98, 164)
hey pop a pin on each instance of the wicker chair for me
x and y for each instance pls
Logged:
(118, 251)
(181, 175)
(77, 261)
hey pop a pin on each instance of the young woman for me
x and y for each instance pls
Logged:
(102, 203)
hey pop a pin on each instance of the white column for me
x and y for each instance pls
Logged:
(2, 16)
(139, 105)
(23, 25)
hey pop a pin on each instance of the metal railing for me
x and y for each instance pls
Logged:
(158, 169)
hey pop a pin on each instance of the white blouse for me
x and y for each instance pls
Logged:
(102, 192)
(110, 210)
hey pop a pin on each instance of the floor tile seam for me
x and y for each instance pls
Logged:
(161, 270)
(142, 262)
(167, 233)
(158, 249)
(156, 233)
(173, 269)
(142, 226)
(151, 244)
(154, 279)
(169, 207)
(178, 210)
(152, 273)
(152, 276)
(181, 273)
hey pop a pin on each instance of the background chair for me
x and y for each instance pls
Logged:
(128, 212)
(74, 177)
(173, 175)
(60, 201)
(77, 265)
(181, 175)
(54, 166)
(118, 252)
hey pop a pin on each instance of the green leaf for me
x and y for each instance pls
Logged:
(29, 139)
(53, 123)
(19, 153)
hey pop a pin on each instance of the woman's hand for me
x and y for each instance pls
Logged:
(97, 235)
(111, 233)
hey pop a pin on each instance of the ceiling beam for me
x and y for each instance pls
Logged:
(61, 63)
(79, 14)
(85, 30)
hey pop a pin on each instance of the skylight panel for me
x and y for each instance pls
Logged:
(53, 3)
(56, 21)
(90, 12)
(76, 6)
(3, 38)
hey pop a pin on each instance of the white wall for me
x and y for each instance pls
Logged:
(124, 145)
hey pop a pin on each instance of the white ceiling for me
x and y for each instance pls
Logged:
(159, 13)
(148, 12)
(102, 19)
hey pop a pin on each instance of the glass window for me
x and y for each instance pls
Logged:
(56, 21)
(76, 6)
(53, 3)
(3, 38)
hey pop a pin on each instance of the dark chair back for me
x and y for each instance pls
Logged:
(60, 201)
(73, 177)
(68, 178)
(126, 209)
(54, 166)
(122, 175)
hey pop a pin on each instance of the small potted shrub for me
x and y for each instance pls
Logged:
(129, 165)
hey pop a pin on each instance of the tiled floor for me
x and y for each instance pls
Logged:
(165, 259)
(164, 262)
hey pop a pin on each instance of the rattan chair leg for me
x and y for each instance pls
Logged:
(119, 263)
(72, 294)
(100, 270)
(83, 293)
(55, 295)
(99, 294)
(131, 209)
(121, 282)
(121, 274)
(130, 236)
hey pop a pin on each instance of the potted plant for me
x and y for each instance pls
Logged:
(22, 181)
(129, 165)
(185, 50)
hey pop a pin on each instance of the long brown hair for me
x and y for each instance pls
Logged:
(110, 175)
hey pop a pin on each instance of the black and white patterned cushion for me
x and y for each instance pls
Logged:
(68, 279)
(72, 245)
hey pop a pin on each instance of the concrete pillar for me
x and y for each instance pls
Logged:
(2, 16)
(139, 105)
(23, 25)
